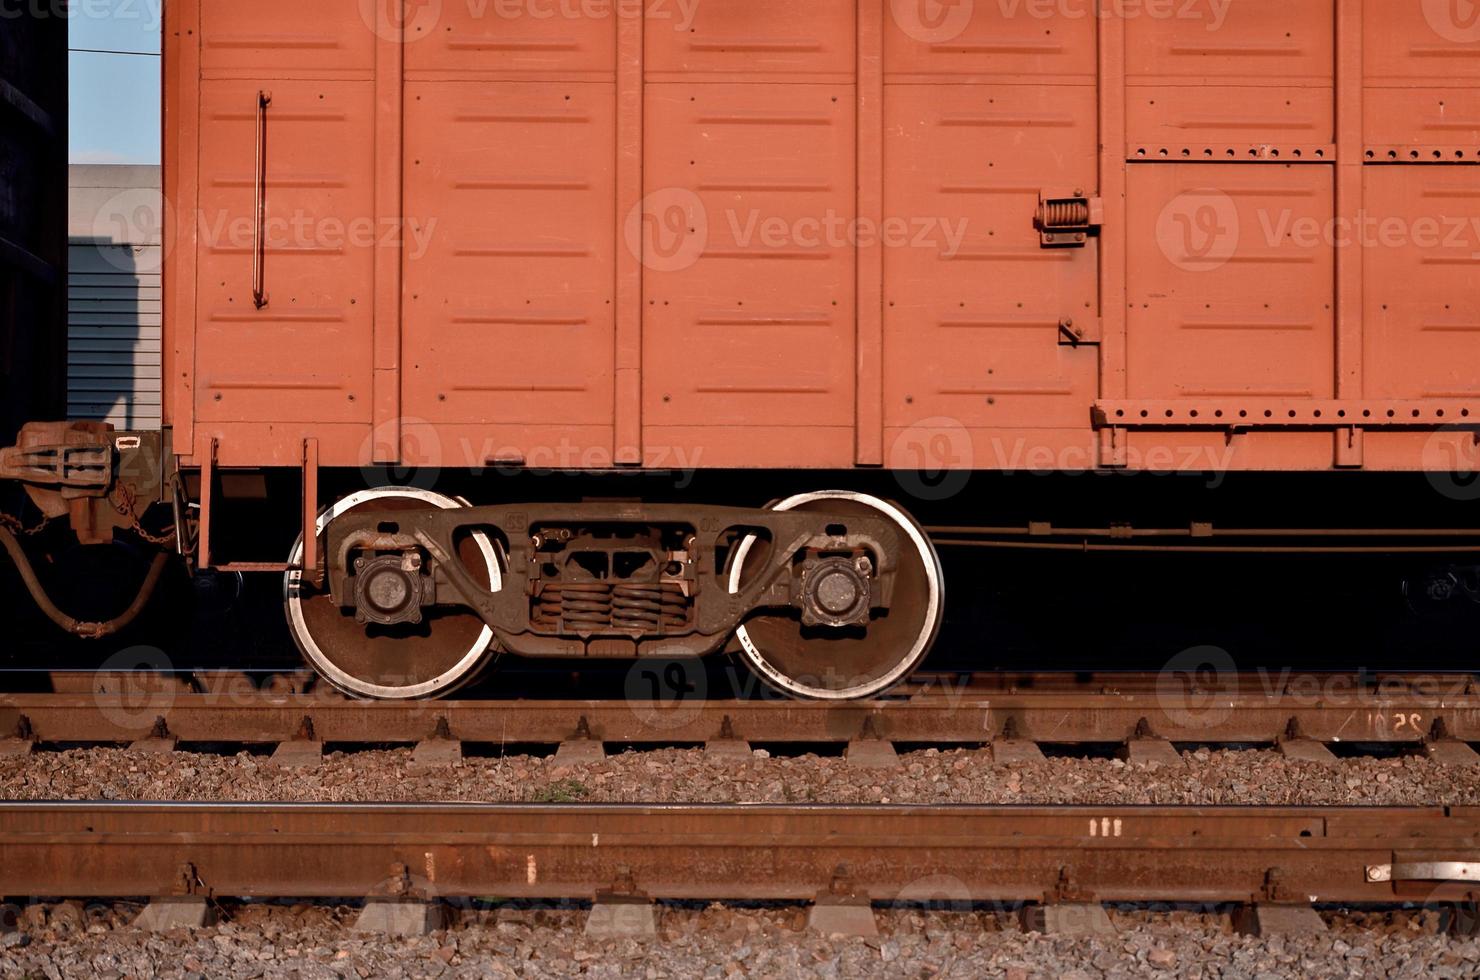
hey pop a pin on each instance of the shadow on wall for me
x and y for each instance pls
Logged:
(115, 295)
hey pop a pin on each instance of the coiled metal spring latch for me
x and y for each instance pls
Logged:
(1068, 220)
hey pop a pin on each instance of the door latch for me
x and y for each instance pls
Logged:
(1068, 220)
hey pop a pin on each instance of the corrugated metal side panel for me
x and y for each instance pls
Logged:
(114, 294)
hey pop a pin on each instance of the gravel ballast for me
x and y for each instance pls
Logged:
(1207, 778)
(720, 942)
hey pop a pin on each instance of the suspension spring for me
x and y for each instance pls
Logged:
(649, 608)
(578, 606)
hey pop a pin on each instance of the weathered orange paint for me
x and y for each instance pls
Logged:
(758, 233)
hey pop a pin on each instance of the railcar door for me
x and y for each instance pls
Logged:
(510, 168)
(989, 331)
(749, 254)
(281, 218)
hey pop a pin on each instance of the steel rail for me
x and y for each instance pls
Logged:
(1010, 854)
(1328, 710)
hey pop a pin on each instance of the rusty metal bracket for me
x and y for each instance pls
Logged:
(1067, 220)
(624, 885)
(205, 556)
(1445, 153)
(1282, 153)
(398, 886)
(312, 567)
(1419, 868)
(1274, 889)
(25, 732)
(187, 881)
(207, 498)
(842, 888)
(1066, 891)
(87, 466)
(1080, 331)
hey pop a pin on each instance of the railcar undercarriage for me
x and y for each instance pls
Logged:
(832, 595)
(406, 593)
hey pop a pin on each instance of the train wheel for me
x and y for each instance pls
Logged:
(822, 664)
(430, 660)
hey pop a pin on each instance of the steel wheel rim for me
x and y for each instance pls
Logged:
(466, 667)
(923, 641)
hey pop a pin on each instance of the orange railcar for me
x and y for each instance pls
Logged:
(831, 237)
(758, 233)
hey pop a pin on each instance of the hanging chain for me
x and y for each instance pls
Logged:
(123, 501)
(18, 526)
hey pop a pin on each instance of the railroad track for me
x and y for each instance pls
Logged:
(1142, 713)
(834, 856)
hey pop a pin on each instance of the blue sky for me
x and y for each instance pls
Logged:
(115, 98)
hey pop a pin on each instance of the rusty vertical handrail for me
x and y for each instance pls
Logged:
(259, 243)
